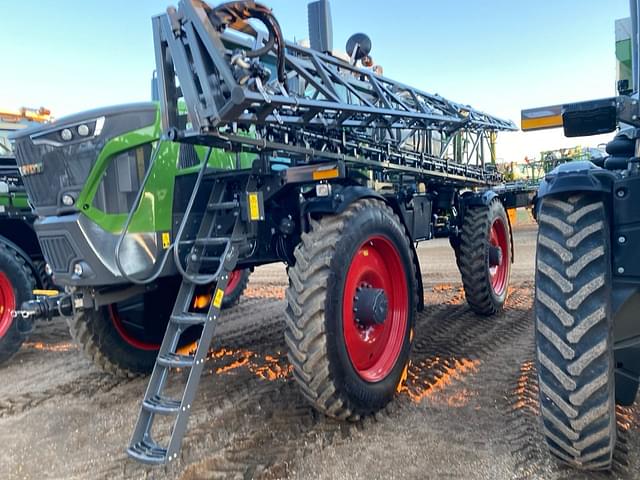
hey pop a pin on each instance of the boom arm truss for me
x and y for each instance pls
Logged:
(306, 105)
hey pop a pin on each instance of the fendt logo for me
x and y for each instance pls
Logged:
(31, 169)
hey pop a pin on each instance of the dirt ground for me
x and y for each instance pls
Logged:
(468, 409)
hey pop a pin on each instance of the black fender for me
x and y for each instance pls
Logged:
(343, 196)
(27, 259)
(477, 199)
(574, 177)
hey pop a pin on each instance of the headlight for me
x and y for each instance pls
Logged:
(78, 269)
(68, 200)
(66, 135)
(83, 130)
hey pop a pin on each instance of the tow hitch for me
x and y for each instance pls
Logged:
(46, 305)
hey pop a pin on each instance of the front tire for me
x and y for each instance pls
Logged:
(349, 367)
(123, 339)
(484, 257)
(16, 286)
(574, 330)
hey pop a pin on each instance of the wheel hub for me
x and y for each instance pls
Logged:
(375, 308)
(495, 256)
(370, 306)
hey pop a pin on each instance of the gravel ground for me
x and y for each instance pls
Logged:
(468, 409)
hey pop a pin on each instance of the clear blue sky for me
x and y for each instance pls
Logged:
(497, 55)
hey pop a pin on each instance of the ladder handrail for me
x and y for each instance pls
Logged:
(178, 237)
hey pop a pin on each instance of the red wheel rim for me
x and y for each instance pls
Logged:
(124, 333)
(234, 281)
(7, 304)
(498, 273)
(374, 349)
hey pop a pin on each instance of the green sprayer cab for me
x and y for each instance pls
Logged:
(83, 174)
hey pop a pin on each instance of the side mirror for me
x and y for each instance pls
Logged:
(623, 87)
(590, 118)
(358, 46)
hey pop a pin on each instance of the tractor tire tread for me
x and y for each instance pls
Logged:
(574, 332)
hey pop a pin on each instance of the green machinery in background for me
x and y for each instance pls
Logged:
(534, 170)
(22, 267)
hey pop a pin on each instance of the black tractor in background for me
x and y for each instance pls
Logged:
(587, 293)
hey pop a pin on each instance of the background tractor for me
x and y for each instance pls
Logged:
(588, 278)
(22, 266)
(285, 154)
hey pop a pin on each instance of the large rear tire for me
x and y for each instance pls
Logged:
(574, 330)
(16, 286)
(484, 257)
(350, 313)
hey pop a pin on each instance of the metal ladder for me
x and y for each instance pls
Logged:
(142, 446)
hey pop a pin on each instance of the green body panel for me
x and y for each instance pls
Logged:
(18, 201)
(154, 213)
(623, 52)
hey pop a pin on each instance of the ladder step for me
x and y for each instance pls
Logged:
(210, 259)
(207, 241)
(174, 360)
(201, 279)
(189, 319)
(212, 241)
(213, 206)
(161, 405)
(148, 452)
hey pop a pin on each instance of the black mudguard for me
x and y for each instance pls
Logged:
(575, 177)
(339, 200)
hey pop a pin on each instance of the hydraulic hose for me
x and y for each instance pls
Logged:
(241, 11)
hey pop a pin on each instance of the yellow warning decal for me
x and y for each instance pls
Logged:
(45, 293)
(254, 206)
(166, 240)
(217, 299)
